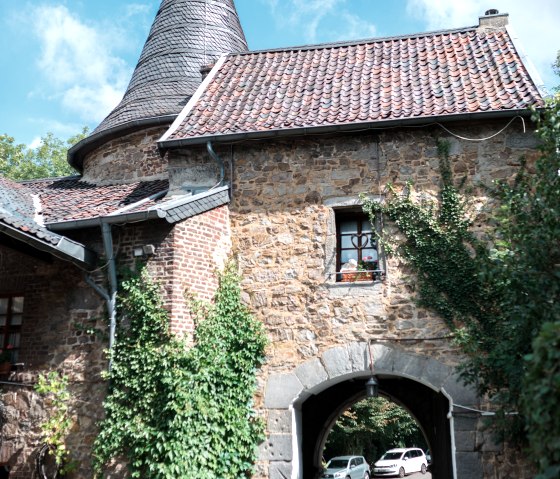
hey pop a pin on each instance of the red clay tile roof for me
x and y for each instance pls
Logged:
(65, 199)
(21, 220)
(393, 79)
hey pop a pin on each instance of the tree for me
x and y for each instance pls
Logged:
(502, 301)
(19, 162)
(372, 426)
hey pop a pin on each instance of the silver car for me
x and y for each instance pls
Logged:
(346, 467)
(400, 462)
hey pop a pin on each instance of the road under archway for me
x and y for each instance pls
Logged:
(430, 408)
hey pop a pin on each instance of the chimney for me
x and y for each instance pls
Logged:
(493, 19)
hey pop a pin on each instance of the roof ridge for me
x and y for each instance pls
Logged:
(360, 41)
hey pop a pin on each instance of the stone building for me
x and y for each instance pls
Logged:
(217, 151)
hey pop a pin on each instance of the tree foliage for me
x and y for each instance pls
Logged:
(178, 412)
(19, 162)
(496, 295)
(372, 426)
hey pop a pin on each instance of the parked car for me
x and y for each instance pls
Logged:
(346, 467)
(400, 462)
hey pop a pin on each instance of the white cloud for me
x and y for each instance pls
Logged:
(535, 23)
(78, 63)
(35, 143)
(330, 17)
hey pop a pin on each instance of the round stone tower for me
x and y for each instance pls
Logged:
(186, 35)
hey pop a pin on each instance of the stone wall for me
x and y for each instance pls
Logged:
(126, 159)
(284, 196)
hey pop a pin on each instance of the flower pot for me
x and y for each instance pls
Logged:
(352, 276)
(5, 368)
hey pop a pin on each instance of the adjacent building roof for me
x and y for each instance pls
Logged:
(185, 35)
(21, 220)
(412, 78)
(68, 203)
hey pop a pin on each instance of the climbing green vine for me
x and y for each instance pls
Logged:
(179, 412)
(497, 292)
(56, 427)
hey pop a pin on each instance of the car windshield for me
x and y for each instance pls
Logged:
(337, 464)
(391, 455)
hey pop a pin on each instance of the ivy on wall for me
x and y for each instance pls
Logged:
(499, 293)
(174, 411)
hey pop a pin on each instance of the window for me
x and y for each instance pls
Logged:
(357, 257)
(11, 314)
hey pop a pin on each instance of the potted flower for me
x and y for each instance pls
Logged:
(367, 266)
(6, 360)
(358, 271)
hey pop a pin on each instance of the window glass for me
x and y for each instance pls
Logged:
(347, 255)
(356, 241)
(348, 227)
(11, 320)
(17, 304)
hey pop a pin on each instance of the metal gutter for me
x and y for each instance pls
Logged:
(424, 121)
(65, 249)
(94, 222)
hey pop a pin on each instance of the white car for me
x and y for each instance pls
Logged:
(400, 462)
(346, 467)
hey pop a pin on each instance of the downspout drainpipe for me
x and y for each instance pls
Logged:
(112, 295)
(218, 160)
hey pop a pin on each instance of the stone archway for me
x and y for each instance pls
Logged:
(301, 405)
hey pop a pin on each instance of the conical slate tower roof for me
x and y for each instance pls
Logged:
(185, 35)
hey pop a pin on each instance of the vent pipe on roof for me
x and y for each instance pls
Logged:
(492, 11)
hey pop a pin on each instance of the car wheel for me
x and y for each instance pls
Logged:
(366, 475)
(423, 469)
(401, 472)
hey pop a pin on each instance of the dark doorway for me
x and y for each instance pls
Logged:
(429, 407)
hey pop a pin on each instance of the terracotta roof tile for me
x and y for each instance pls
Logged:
(444, 73)
(66, 199)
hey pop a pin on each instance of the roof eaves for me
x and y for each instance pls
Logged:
(133, 217)
(77, 152)
(423, 121)
(168, 209)
(65, 249)
(187, 206)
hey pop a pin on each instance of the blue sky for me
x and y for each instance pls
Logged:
(66, 63)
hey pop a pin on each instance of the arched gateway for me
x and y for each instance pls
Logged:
(303, 405)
